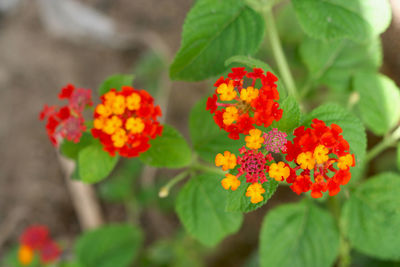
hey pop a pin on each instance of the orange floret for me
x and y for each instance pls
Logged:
(231, 181)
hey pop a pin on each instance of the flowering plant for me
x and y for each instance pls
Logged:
(255, 134)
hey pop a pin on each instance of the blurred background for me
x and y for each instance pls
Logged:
(45, 44)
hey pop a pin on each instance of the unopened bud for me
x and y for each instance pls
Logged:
(164, 192)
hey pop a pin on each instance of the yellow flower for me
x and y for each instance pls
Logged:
(135, 125)
(119, 138)
(231, 181)
(279, 171)
(248, 94)
(25, 255)
(321, 154)
(227, 91)
(230, 115)
(345, 162)
(254, 140)
(227, 161)
(255, 191)
(111, 125)
(103, 110)
(133, 102)
(306, 160)
(118, 105)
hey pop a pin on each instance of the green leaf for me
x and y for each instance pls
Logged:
(371, 217)
(237, 200)
(109, 246)
(95, 164)
(334, 63)
(116, 82)
(379, 103)
(200, 207)
(213, 32)
(71, 149)
(353, 131)
(290, 117)
(169, 150)
(335, 19)
(208, 140)
(119, 187)
(256, 63)
(297, 235)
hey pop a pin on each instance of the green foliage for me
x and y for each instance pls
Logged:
(119, 187)
(200, 207)
(379, 103)
(336, 19)
(169, 150)
(298, 235)
(95, 164)
(290, 117)
(334, 63)
(398, 156)
(213, 32)
(71, 149)
(237, 200)
(255, 63)
(116, 82)
(371, 217)
(109, 246)
(208, 140)
(353, 131)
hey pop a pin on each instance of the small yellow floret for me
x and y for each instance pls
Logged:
(279, 171)
(99, 123)
(135, 125)
(25, 255)
(133, 102)
(231, 181)
(248, 94)
(227, 91)
(111, 125)
(321, 154)
(119, 138)
(345, 162)
(230, 115)
(118, 106)
(227, 161)
(103, 110)
(255, 191)
(254, 140)
(306, 160)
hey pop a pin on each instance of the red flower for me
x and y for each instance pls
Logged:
(126, 121)
(246, 106)
(321, 149)
(35, 236)
(67, 121)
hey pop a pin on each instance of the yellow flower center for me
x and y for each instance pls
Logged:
(255, 191)
(321, 154)
(227, 161)
(231, 181)
(230, 115)
(254, 140)
(135, 125)
(306, 160)
(345, 162)
(133, 102)
(248, 94)
(279, 171)
(227, 91)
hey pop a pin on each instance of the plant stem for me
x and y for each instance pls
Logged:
(279, 55)
(164, 191)
(344, 247)
(385, 143)
(206, 168)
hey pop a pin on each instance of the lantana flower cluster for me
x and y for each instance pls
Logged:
(317, 160)
(67, 121)
(125, 121)
(238, 108)
(36, 239)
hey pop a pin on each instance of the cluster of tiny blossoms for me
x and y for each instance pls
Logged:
(125, 121)
(36, 239)
(320, 154)
(67, 121)
(244, 107)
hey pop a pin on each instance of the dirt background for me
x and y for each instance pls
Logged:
(34, 65)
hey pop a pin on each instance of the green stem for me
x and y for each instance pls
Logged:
(279, 55)
(164, 191)
(206, 168)
(384, 144)
(344, 248)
